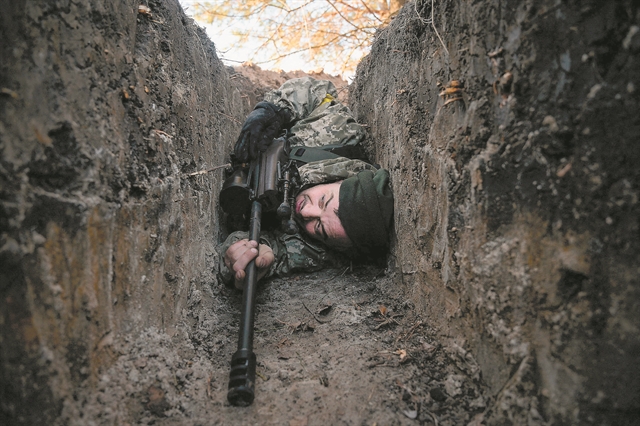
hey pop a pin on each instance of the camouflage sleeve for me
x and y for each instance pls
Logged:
(331, 170)
(319, 119)
(302, 95)
(297, 254)
(292, 254)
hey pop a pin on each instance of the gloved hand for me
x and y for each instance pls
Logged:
(262, 125)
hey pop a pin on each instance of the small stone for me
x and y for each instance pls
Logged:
(594, 91)
(626, 43)
(38, 239)
(550, 122)
(412, 414)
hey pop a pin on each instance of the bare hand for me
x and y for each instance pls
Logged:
(240, 253)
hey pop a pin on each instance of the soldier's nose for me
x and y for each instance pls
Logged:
(308, 211)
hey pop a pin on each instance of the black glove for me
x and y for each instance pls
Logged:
(262, 125)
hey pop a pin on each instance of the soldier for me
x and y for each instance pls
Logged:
(345, 206)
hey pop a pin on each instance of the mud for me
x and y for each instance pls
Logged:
(511, 293)
(339, 347)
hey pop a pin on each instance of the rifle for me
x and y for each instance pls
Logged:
(263, 184)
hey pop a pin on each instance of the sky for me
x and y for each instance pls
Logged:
(232, 54)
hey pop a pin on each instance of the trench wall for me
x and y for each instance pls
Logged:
(104, 113)
(517, 194)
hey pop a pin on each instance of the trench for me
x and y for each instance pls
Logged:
(510, 295)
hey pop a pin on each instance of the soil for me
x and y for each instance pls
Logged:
(337, 347)
(495, 120)
(511, 293)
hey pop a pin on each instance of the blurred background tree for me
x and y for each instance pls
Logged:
(338, 32)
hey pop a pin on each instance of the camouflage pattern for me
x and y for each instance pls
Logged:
(331, 170)
(319, 119)
(317, 124)
(302, 95)
(293, 253)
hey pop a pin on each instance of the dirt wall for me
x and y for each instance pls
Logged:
(511, 135)
(511, 130)
(104, 113)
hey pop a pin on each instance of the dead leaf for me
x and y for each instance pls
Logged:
(285, 342)
(495, 53)
(402, 353)
(300, 326)
(9, 92)
(452, 100)
(455, 87)
(429, 348)
(450, 91)
(296, 326)
(107, 340)
(325, 309)
(412, 414)
(382, 324)
(41, 137)
(383, 310)
(564, 170)
(505, 83)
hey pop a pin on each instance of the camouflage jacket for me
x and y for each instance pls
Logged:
(319, 120)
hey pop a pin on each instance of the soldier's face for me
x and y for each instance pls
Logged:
(317, 209)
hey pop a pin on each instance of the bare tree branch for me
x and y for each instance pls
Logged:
(325, 29)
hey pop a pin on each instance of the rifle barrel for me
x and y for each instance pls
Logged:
(243, 362)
